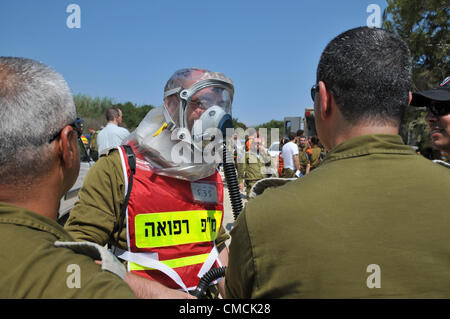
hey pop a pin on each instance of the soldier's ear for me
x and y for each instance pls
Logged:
(326, 101)
(68, 145)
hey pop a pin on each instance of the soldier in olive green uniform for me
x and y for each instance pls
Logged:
(303, 158)
(33, 267)
(252, 167)
(40, 163)
(93, 148)
(314, 154)
(358, 225)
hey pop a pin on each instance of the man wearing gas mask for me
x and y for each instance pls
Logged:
(158, 200)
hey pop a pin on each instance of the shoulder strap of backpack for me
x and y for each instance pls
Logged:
(132, 164)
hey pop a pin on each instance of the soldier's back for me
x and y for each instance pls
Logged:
(318, 236)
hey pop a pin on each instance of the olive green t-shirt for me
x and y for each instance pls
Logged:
(372, 221)
(315, 156)
(303, 158)
(252, 167)
(32, 267)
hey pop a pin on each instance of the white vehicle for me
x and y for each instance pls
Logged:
(274, 149)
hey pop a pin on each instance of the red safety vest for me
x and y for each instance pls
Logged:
(171, 225)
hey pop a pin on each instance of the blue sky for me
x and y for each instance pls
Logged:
(127, 50)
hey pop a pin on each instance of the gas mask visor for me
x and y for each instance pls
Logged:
(204, 110)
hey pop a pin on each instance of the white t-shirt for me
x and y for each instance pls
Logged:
(112, 135)
(287, 152)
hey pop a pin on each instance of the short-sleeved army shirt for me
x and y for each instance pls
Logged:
(32, 267)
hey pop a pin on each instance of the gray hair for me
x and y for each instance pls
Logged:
(35, 104)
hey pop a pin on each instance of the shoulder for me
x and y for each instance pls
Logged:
(121, 129)
(274, 203)
(124, 130)
(109, 164)
(294, 147)
(35, 268)
(433, 170)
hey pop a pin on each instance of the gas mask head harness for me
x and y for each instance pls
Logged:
(203, 108)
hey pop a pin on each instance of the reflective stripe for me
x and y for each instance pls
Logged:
(176, 228)
(175, 263)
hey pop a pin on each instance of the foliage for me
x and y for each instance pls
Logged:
(423, 25)
(133, 114)
(93, 111)
(273, 124)
(237, 124)
(91, 107)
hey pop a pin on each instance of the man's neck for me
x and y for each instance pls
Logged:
(355, 131)
(39, 198)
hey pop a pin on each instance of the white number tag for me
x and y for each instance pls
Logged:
(203, 192)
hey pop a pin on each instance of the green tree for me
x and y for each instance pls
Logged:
(89, 107)
(237, 124)
(93, 111)
(132, 114)
(273, 124)
(423, 25)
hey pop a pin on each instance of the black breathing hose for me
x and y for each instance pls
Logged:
(232, 182)
(236, 206)
(208, 278)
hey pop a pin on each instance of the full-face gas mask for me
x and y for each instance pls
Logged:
(203, 108)
(175, 137)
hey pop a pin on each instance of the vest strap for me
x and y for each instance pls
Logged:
(148, 260)
(128, 186)
(209, 262)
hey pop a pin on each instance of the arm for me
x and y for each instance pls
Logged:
(296, 162)
(97, 211)
(223, 257)
(308, 156)
(308, 168)
(240, 274)
(265, 155)
(241, 165)
(144, 288)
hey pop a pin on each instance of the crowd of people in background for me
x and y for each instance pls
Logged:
(298, 156)
(308, 157)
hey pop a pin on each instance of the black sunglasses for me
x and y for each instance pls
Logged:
(439, 108)
(77, 125)
(314, 91)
